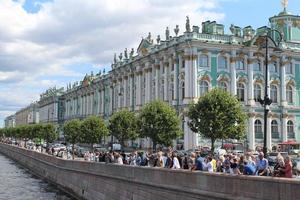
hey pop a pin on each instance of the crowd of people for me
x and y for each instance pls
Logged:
(247, 164)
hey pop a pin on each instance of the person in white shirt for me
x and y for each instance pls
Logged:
(209, 165)
(119, 159)
(176, 164)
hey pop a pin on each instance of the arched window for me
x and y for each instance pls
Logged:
(273, 67)
(290, 129)
(241, 92)
(289, 94)
(258, 129)
(256, 66)
(222, 62)
(273, 94)
(289, 68)
(274, 129)
(223, 85)
(203, 87)
(239, 64)
(203, 60)
(257, 92)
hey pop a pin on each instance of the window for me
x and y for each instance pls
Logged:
(222, 62)
(273, 94)
(289, 69)
(203, 87)
(274, 129)
(203, 61)
(241, 92)
(223, 85)
(239, 64)
(290, 127)
(256, 66)
(273, 67)
(258, 129)
(257, 92)
(289, 94)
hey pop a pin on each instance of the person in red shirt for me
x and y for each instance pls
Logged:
(288, 167)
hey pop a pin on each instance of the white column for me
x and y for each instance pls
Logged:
(80, 111)
(92, 103)
(147, 83)
(283, 87)
(138, 90)
(175, 84)
(193, 80)
(251, 134)
(125, 91)
(269, 134)
(157, 81)
(119, 94)
(131, 82)
(250, 81)
(187, 78)
(102, 100)
(233, 73)
(284, 128)
(186, 134)
(166, 94)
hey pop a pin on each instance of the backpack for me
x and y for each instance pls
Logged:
(144, 161)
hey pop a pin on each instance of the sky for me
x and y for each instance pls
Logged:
(47, 43)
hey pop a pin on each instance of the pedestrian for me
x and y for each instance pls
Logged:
(262, 165)
(176, 164)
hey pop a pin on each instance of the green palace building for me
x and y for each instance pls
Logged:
(180, 68)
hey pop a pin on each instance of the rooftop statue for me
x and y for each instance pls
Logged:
(158, 39)
(115, 58)
(176, 30)
(131, 53)
(120, 57)
(284, 3)
(167, 33)
(149, 37)
(187, 24)
(125, 53)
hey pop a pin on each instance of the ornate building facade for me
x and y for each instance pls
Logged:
(181, 68)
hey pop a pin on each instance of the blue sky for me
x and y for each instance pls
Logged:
(46, 43)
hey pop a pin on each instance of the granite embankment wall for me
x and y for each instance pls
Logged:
(107, 181)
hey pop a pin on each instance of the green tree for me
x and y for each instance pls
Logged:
(159, 121)
(217, 115)
(72, 132)
(123, 126)
(49, 133)
(93, 130)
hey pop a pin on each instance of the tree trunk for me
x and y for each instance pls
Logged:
(212, 146)
(154, 145)
(73, 155)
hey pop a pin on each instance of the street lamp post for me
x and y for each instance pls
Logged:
(266, 102)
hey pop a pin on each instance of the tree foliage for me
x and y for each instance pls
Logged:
(123, 126)
(159, 121)
(93, 130)
(217, 115)
(72, 132)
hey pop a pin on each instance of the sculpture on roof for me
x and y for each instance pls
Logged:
(158, 39)
(149, 37)
(115, 58)
(167, 33)
(125, 53)
(176, 30)
(284, 3)
(131, 53)
(120, 57)
(187, 24)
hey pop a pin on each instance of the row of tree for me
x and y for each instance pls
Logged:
(45, 132)
(156, 120)
(216, 115)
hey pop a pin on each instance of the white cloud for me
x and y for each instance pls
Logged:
(69, 32)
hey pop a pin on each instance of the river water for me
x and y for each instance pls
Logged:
(17, 183)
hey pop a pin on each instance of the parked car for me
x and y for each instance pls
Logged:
(59, 147)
